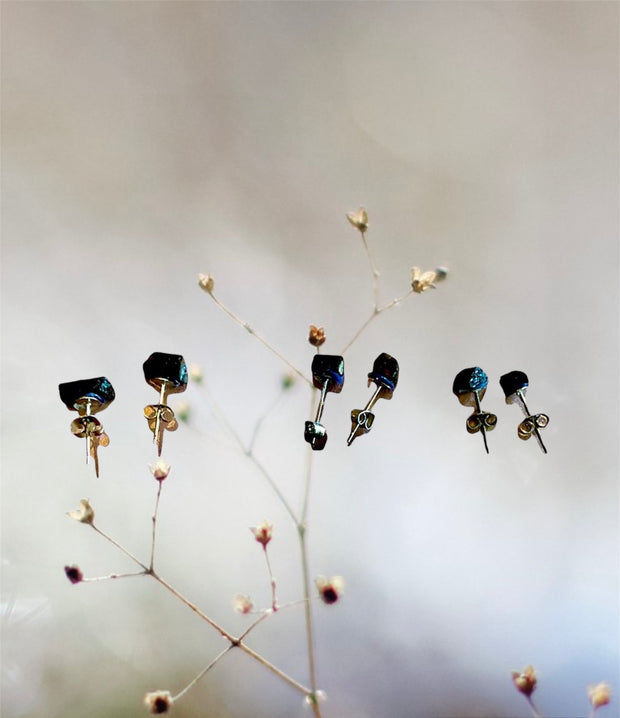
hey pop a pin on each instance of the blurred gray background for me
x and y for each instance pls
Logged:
(144, 142)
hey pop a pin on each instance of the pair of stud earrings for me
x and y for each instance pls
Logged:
(328, 376)
(166, 373)
(470, 386)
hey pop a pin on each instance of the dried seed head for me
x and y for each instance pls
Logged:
(525, 680)
(599, 694)
(242, 604)
(85, 514)
(330, 589)
(206, 282)
(421, 281)
(262, 532)
(158, 701)
(359, 219)
(74, 574)
(160, 469)
(316, 336)
(195, 373)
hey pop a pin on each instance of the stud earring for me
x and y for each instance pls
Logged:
(385, 375)
(88, 397)
(328, 376)
(514, 385)
(470, 386)
(167, 374)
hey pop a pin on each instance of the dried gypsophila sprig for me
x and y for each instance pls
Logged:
(85, 514)
(599, 694)
(160, 469)
(243, 604)
(158, 701)
(525, 681)
(330, 589)
(263, 532)
(359, 219)
(421, 281)
(316, 336)
(206, 282)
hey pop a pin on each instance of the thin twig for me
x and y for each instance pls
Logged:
(284, 676)
(263, 341)
(118, 546)
(262, 418)
(203, 672)
(115, 575)
(155, 523)
(272, 581)
(373, 269)
(535, 712)
(375, 313)
(249, 454)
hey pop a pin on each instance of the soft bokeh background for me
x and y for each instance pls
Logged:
(144, 142)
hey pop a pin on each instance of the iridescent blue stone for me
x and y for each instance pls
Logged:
(169, 368)
(328, 368)
(74, 394)
(385, 374)
(513, 382)
(468, 380)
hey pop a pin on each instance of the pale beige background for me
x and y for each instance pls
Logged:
(144, 142)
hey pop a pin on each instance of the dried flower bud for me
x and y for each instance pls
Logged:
(525, 681)
(330, 589)
(262, 532)
(160, 469)
(206, 282)
(158, 701)
(359, 219)
(242, 604)
(287, 381)
(421, 281)
(442, 273)
(85, 514)
(74, 574)
(599, 694)
(195, 373)
(316, 336)
(183, 410)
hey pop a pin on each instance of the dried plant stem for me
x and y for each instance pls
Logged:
(535, 712)
(247, 451)
(373, 269)
(155, 524)
(272, 581)
(263, 341)
(114, 575)
(374, 314)
(261, 419)
(303, 533)
(204, 671)
(120, 548)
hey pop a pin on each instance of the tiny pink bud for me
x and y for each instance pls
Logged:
(262, 532)
(525, 681)
(160, 469)
(242, 604)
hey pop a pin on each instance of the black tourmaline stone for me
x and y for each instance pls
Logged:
(160, 367)
(328, 368)
(385, 374)
(513, 382)
(73, 393)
